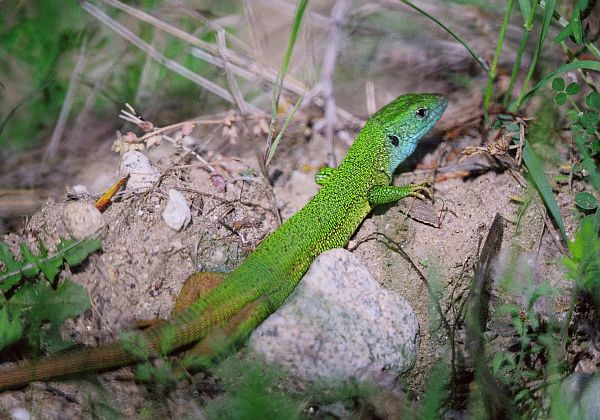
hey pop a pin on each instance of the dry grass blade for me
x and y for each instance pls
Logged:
(339, 14)
(65, 110)
(235, 90)
(251, 18)
(156, 55)
(236, 60)
(289, 10)
(201, 18)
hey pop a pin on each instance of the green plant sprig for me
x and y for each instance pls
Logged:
(26, 306)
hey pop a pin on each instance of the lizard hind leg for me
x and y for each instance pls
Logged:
(197, 286)
(221, 340)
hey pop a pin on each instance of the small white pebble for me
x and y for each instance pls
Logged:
(20, 414)
(177, 214)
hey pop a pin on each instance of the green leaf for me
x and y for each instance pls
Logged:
(558, 84)
(576, 25)
(583, 265)
(587, 162)
(596, 220)
(51, 267)
(40, 303)
(564, 34)
(75, 252)
(586, 201)
(525, 6)
(573, 116)
(522, 394)
(30, 259)
(10, 266)
(574, 65)
(505, 117)
(589, 119)
(539, 179)
(11, 329)
(572, 88)
(595, 146)
(593, 100)
(500, 358)
(536, 348)
(560, 98)
(544, 289)
(135, 344)
(68, 300)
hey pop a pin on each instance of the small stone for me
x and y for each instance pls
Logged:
(20, 414)
(82, 219)
(177, 214)
(339, 323)
(579, 393)
(80, 189)
(142, 175)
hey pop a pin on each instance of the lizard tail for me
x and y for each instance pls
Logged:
(69, 363)
(183, 329)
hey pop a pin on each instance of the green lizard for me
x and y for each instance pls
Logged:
(259, 286)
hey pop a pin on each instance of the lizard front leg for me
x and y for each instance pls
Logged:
(389, 193)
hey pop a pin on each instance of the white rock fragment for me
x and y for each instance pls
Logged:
(177, 214)
(142, 175)
(20, 414)
(339, 323)
(80, 189)
(82, 219)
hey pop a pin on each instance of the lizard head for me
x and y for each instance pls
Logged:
(405, 121)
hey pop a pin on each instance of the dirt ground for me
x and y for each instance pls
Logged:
(143, 263)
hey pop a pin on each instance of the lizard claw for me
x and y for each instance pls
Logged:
(421, 189)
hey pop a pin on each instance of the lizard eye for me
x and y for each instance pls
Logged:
(421, 112)
(394, 139)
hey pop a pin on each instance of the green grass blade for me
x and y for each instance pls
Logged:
(479, 60)
(541, 183)
(492, 73)
(301, 8)
(516, 67)
(548, 11)
(302, 4)
(587, 162)
(574, 65)
(522, 44)
(525, 6)
(285, 125)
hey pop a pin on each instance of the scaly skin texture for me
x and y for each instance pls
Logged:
(264, 280)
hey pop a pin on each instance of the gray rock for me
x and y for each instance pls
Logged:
(82, 219)
(339, 323)
(20, 414)
(177, 214)
(580, 395)
(142, 175)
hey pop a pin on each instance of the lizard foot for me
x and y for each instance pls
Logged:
(421, 189)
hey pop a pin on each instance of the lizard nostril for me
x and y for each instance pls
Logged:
(394, 139)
